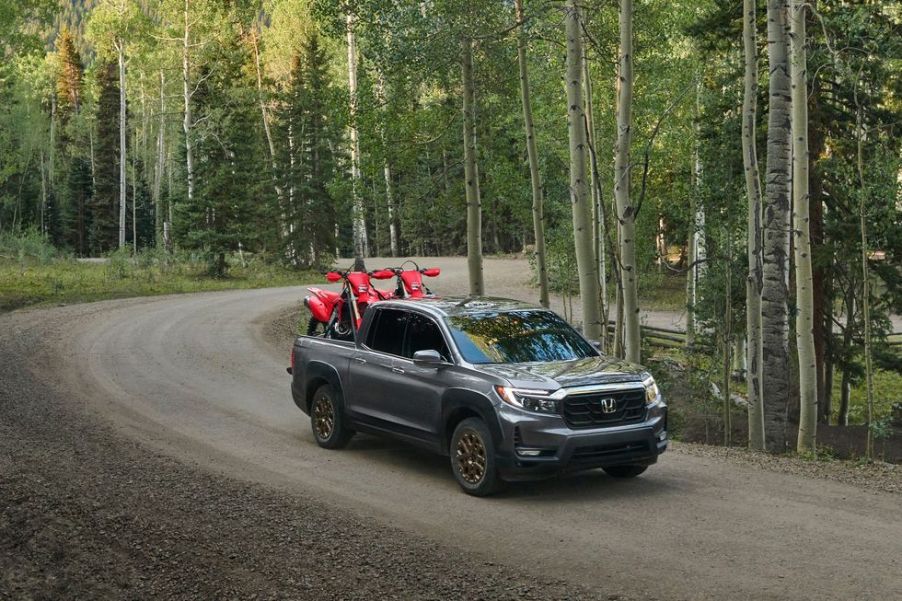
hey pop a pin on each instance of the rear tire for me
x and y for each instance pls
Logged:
(473, 458)
(625, 471)
(327, 421)
(340, 327)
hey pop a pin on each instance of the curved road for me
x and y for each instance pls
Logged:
(199, 377)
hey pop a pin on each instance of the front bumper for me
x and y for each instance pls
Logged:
(561, 448)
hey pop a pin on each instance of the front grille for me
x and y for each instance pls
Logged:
(589, 411)
(600, 452)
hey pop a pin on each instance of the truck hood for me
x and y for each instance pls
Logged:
(566, 374)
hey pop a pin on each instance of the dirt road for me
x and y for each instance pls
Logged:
(198, 378)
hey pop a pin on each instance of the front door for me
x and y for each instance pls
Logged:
(418, 403)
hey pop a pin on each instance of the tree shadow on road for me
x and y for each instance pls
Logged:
(568, 487)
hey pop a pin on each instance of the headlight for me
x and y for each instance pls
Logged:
(654, 402)
(652, 394)
(530, 400)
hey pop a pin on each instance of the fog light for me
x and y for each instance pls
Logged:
(656, 410)
(529, 452)
(662, 435)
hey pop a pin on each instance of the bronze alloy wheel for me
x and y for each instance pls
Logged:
(323, 417)
(471, 458)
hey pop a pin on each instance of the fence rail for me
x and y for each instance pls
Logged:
(668, 337)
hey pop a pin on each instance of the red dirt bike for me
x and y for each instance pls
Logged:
(331, 314)
(410, 281)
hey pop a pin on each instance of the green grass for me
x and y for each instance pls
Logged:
(30, 279)
(662, 291)
(887, 390)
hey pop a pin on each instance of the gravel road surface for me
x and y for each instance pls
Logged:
(149, 448)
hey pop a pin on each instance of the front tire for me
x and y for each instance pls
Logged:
(625, 471)
(327, 421)
(473, 458)
(315, 327)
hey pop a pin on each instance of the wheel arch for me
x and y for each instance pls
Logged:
(317, 374)
(458, 405)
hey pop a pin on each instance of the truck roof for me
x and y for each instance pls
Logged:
(463, 305)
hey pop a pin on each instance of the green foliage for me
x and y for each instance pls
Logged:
(38, 275)
(887, 385)
(115, 24)
(28, 247)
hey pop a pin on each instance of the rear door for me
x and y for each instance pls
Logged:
(372, 373)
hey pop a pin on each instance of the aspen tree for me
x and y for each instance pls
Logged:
(579, 192)
(626, 212)
(471, 172)
(358, 218)
(538, 217)
(774, 293)
(802, 244)
(753, 194)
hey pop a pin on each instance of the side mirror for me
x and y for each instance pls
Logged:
(428, 358)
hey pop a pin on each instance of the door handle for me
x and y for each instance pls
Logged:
(397, 370)
(360, 360)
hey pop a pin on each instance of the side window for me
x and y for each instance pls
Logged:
(387, 331)
(423, 334)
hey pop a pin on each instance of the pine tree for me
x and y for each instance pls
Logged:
(78, 204)
(69, 76)
(233, 185)
(105, 201)
(312, 133)
(74, 191)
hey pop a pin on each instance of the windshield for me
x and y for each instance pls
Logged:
(517, 337)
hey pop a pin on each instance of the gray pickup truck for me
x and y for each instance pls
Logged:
(507, 390)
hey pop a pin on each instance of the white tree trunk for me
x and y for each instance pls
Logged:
(598, 230)
(161, 164)
(387, 171)
(699, 250)
(774, 293)
(134, 196)
(93, 161)
(532, 153)
(187, 122)
(801, 227)
(753, 194)
(122, 149)
(358, 218)
(471, 173)
(43, 195)
(390, 201)
(51, 173)
(625, 208)
(579, 192)
(865, 283)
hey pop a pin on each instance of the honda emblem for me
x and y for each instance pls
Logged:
(608, 405)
